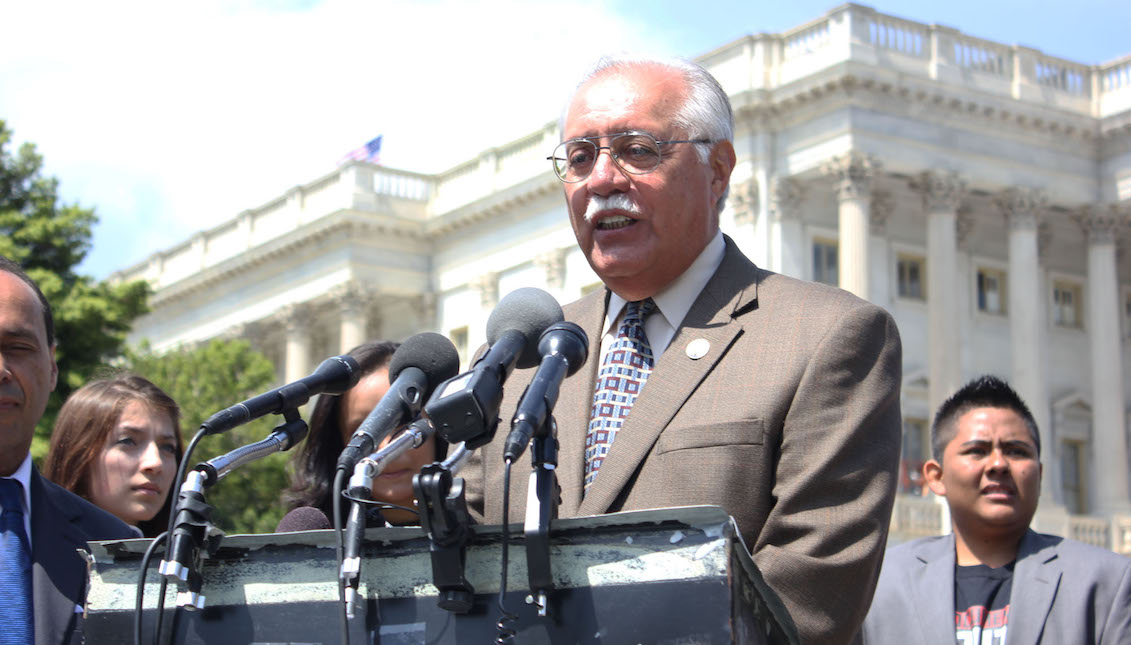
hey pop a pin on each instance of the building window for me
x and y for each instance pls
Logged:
(915, 452)
(1072, 475)
(991, 291)
(825, 262)
(459, 338)
(911, 274)
(1066, 304)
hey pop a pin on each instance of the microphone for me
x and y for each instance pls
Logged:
(466, 408)
(564, 348)
(418, 365)
(334, 376)
(303, 518)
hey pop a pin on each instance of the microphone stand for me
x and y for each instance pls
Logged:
(444, 516)
(543, 497)
(193, 528)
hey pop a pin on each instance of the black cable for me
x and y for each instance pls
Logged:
(176, 493)
(336, 494)
(141, 585)
(505, 632)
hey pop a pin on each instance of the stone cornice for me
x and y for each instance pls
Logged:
(342, 221)
(493, 205)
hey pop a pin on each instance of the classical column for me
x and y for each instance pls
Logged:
(1022, 207)
(853, 173)
(787, 244)
(1109, 443)
(880, 261)
(942, 194)
(352, 302)
(297, 319)
(487, 286)
(553, 263)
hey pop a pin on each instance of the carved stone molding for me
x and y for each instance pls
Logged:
(942, 190)
(785, 198)
(963, 225)
(1100, 222)
(296, 318)
(745, 200)
(553, 263)
(1021, 206)
(350, 297)
(853, 173)
(488, 287)
(882, 207)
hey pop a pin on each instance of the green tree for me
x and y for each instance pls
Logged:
(203, 381)
(50, 239)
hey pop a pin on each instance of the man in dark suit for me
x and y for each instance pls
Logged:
(59, 522)
(774, 398)
(993, 579)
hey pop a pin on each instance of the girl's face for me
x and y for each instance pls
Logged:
(133, 475)
(395, 484)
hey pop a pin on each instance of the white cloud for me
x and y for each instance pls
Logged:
(173, 118)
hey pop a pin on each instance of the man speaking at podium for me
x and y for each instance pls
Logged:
(771, 397)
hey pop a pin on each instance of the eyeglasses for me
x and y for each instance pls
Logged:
(637, 153)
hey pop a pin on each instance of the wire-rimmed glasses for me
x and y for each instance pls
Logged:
(637, 153)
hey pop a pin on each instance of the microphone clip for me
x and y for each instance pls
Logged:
(444, 516)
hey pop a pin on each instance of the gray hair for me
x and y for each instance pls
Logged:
(705, 114)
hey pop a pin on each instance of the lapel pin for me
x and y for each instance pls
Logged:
(698, 348)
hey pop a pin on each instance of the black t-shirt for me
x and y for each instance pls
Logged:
(981, 601)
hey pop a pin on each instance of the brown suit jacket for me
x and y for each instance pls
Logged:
(790, 422)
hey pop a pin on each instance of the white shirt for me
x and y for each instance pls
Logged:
(23, 475)
(672, 303)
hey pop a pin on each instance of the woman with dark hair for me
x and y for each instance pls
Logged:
(333, 422)
(117, 443)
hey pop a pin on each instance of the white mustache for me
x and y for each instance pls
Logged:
(616, 201)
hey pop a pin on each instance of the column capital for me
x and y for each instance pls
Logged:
(296, 318)
(853, 173)
(881, 209)
(785, 198)
(553, 263)
(963, 225)
(942, 190)
(350, 296)
(1100, 222)
(487, 285)
(1021, 206)
(745, 201)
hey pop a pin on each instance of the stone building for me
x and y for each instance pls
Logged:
(976, 190)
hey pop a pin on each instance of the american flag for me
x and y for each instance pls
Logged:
(370, 152)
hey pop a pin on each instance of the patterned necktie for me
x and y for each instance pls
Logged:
(15, 568)
(623, 371)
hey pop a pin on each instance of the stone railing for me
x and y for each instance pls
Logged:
(1090, 530)
(354, 186)
(855, 33)
(915, 517)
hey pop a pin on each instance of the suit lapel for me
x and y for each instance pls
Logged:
(676, 376)
(57, 583)
(1036, 578)
(932, 591)
(589, 312)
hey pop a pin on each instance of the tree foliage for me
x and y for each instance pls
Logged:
(205, 380)
(50, 239)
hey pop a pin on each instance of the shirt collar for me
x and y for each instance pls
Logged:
(23, 475)
(675, 300)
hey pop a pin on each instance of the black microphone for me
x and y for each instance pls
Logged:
(334, 376)
(418, 365)
(564, 348)
(303, 518)
(466, 408)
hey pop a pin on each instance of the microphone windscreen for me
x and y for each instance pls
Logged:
(341, 373)
(429, 352)
(303, 518)
(528, 311)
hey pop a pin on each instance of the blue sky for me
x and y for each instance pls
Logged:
(169, 118)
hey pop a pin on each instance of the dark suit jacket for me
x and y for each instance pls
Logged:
(62, 522)
(790, 422)
(1064, 592)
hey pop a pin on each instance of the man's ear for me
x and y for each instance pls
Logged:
(932, 473)
(722, 161)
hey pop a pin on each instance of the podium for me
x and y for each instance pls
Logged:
(677, 575)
